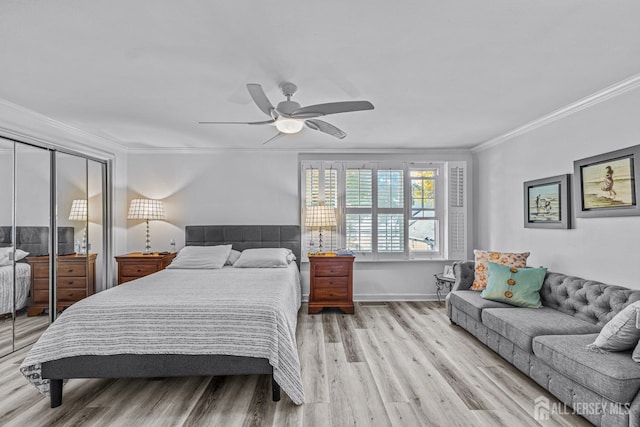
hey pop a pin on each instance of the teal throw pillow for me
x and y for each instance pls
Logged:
(515, 286)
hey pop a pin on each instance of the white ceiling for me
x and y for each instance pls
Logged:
(448, 74)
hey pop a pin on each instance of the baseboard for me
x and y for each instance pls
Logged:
(390, 297)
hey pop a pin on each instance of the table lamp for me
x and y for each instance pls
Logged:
(146, 209)
(79, 213)
(318, 217)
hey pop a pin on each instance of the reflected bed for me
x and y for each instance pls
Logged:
(22, 284)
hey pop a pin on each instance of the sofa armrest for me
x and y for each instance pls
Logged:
(463, 271)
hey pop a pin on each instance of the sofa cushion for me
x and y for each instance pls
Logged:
(471, 303)
(516, 286)
(481, 272)
(613, 375)
(621, 333)
(521, 325)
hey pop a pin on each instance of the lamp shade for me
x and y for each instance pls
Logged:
(320, 216)
(146, 209)
(78, 210)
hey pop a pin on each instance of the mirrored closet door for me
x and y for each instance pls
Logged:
(6, 247)
(32, 207)
(54, 207)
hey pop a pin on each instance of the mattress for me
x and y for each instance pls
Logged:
(22, 284)
(249, 312)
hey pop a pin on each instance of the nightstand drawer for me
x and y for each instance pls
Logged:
(40, 297)
(71, 294)
(330, 294)
(40, 284)
(138, 270)
(72, 269)
(40, 269)
(72, 282)
(332, 282)
(332, 269)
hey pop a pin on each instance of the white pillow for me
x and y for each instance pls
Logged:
(264, 258)
(201, 257)
(636, 354)
(620, 333)
(233, 257)
(5, 255)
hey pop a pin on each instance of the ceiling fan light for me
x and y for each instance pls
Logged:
(289, 125)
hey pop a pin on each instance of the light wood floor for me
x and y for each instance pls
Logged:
(393, 364)
(27, 331)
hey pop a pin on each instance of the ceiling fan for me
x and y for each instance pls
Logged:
(289, 118)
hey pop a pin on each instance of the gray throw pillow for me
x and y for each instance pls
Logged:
(620, 333)
(636, 354)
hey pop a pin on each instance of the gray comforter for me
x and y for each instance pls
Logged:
(233, 311)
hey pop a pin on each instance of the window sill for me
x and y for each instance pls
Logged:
(373, 261)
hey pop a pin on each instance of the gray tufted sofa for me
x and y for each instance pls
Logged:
(549, 343)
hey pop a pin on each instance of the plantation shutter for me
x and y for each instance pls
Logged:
(319, 187)
(359, 208)
(457, 207)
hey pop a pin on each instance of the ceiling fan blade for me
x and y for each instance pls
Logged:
(261, 100)
(325, 127)
(278, 135)
(330, 108)
(266, 122)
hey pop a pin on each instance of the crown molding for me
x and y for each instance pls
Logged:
(23, 124)
(205, 150)
(595, 98)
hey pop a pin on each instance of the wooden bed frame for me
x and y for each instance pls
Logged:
(176, 365)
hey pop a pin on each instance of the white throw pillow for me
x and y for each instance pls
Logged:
(233, 257)
(5, 255)
(636, 354)
(201, 257)
(620, 333)
(264, 258)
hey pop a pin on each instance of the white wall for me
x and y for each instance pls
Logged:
(252, 187)
(603, 249)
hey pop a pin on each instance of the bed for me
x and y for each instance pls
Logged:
(22, 285)
(34, 241)
(230, 321)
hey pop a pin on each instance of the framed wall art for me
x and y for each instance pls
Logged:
(607, 184)
(547, 203)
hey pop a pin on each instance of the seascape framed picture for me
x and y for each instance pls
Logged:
(547, 203)
(608, 184)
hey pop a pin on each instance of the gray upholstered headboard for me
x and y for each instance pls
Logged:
(35, 240)
(246, 236)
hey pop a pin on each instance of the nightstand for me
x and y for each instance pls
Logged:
(331, 283)
(136, 265)
(75, 280)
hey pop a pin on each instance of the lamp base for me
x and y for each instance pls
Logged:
(147, 242)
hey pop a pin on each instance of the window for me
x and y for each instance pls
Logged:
(424, 218)
(388, 210)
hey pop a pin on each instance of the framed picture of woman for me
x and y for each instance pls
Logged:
(608, 184)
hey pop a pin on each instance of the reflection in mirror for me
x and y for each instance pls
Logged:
(32, 207)
(6, 247)
(75, 259)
